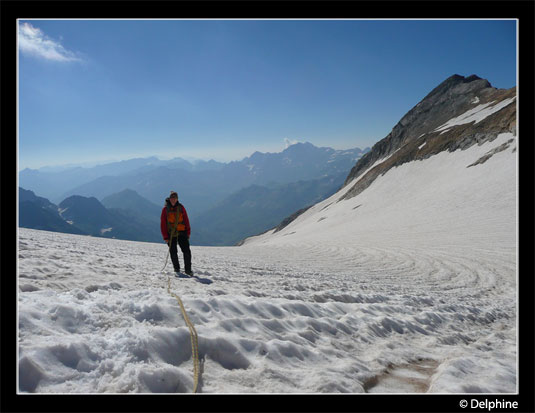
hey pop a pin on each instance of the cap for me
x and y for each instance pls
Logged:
(173, 195)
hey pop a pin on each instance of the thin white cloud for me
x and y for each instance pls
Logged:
(288, 142)
(32, 41)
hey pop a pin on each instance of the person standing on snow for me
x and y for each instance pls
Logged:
(174, 224)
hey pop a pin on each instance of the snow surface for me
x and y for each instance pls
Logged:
(408, 287)
(476, 114)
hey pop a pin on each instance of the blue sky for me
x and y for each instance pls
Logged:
(98, 90)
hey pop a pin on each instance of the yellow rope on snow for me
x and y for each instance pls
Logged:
(192, 331)
(193, 335)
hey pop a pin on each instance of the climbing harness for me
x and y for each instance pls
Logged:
(191, 327)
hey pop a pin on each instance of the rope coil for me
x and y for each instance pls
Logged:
(191, 327)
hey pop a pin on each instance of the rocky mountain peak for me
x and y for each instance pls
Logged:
(455, 86)
(87, 208)
(449, 99)
(452, 98)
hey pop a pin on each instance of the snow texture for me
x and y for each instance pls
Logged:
(408, 287)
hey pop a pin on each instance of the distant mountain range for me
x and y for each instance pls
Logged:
(199, 185)
(56, 183)
(256, 209)
(88, 216)
(225, 202)
(39, 213)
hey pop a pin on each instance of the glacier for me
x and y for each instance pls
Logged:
(408, 287)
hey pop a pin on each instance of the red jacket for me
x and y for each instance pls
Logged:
(163, 219)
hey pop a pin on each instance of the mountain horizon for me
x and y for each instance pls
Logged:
(201, 186)
(57, 184)
(162, 159)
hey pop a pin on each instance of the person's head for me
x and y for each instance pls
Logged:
(173, 198)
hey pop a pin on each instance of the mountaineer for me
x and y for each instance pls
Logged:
(174, 224)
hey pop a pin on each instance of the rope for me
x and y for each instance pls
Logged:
(193, 335)
(191, 327)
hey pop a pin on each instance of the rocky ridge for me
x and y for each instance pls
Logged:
(425, 130)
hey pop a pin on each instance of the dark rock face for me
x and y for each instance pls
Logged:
(39, 213)
(452, 98)
(290, 219)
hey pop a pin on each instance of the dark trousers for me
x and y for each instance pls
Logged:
(183, 243)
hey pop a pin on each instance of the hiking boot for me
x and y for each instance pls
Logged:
(189, 272)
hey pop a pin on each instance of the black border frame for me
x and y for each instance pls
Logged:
(524, 11)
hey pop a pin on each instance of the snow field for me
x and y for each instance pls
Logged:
(408, 287)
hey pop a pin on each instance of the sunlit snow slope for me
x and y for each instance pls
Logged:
(437, 239)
